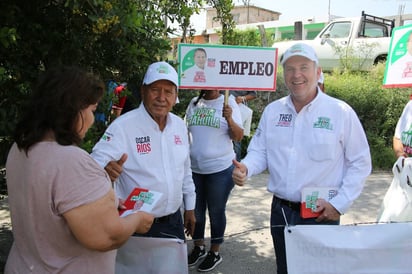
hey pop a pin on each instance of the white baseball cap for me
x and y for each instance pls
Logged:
(160, 71)
(300, 49)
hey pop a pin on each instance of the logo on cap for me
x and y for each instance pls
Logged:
(300, 49)
(163, 69)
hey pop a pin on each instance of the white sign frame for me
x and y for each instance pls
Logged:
(228, 67)
(396, 73)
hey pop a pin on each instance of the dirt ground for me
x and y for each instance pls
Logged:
(6, 237)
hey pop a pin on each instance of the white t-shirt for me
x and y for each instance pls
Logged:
(211, 148)
(322, 145)
(403, 130)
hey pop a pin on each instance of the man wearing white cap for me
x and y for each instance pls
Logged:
(306, 139)
(148, 148)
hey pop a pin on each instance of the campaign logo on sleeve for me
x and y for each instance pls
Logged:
(107, 136)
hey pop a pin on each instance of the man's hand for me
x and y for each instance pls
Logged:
(114, 168)
(239, 174)
(328, 212)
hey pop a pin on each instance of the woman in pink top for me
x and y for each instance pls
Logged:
(63, 209)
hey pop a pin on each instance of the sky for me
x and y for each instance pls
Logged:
(301, 10)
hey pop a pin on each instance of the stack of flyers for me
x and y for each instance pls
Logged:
(140, 199)
(309, 197)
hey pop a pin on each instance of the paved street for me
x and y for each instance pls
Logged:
(248, 247)
(248, 244)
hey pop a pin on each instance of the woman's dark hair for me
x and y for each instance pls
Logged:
(201, 94)
(55, 103)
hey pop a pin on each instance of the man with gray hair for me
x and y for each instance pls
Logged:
(306, 140)
(148, 148)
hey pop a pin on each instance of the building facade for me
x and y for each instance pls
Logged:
(247, 14)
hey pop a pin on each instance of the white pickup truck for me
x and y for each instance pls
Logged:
(353, 43)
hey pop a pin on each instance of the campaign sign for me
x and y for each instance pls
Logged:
(227, 67)
(398, 71)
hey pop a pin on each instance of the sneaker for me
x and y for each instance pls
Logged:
(210, 262)
(196, 255)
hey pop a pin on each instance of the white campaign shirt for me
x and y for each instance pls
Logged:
(211, 147)
(157, 160)
(403, 130)
(322, 145)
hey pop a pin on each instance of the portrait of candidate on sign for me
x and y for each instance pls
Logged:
(196, 67)
(399, 65)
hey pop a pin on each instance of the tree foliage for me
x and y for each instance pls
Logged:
(225, 17)
(250, 37)
(117, 39)
(378, 109)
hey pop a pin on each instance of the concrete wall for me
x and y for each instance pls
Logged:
(242, 15)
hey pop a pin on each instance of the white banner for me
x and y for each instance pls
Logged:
(227, 67)
(332, 249)
(143, 255)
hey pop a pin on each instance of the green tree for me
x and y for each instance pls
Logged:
(117, 39)
(225, 17)
(249, 37)
(378, 108)
(354, 58)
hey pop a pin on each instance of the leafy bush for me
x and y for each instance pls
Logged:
(378, 109)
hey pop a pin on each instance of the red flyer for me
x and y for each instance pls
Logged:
(309, 197)
(140, 199)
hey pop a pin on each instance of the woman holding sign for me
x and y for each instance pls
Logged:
(213, 124)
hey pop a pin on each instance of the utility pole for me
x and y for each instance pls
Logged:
(399, 19)
(329, 11)
(246, 3)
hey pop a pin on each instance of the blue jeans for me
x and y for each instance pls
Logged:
(277, 223)
(212, 193)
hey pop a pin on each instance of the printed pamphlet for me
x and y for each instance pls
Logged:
(140, 199)
(309, 197)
